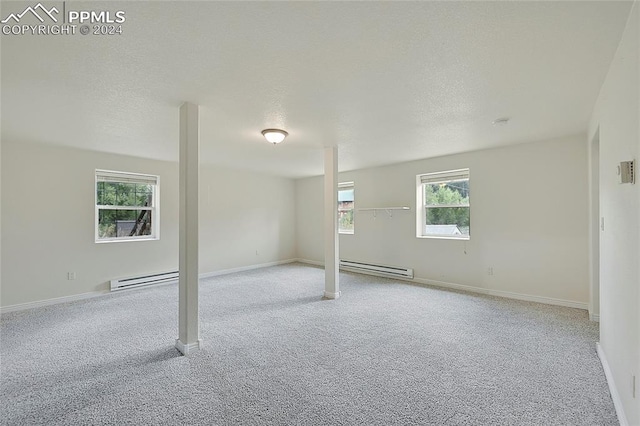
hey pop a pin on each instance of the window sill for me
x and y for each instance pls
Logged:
(345, 233)
(440, 237)
(126, 240)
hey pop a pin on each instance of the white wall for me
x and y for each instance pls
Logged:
(245, 219)
(617, 118)
(48, 222)
(529, 211)
(0, 222)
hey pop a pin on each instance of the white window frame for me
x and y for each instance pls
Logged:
(421, 208)
(128, 177)
(341, 187)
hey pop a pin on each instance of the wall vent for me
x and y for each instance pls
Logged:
(380, 270)
(143, 280)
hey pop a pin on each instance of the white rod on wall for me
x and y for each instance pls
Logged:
(384, 208)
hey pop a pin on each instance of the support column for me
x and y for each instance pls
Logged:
(189, 329)
(331, 247)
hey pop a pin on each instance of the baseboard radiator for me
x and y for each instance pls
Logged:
(143, 280)
(380, 270)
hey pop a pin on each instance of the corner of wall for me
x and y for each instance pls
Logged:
(615, 123)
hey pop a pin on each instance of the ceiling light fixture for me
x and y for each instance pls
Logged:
(274, 136)
(500, 121)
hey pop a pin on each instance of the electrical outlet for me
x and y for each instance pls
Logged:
(257, 253)
(71, 276)
(490, 270)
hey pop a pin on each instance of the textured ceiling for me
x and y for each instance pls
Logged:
(384, 81)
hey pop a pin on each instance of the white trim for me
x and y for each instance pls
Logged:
(189, 347)
(49, 302)
(365, 209)
(310, 262)
(244, 268)
(421, 281)
(445, 206)
(471, 289)
(594, 317)
(108, 207)
(615, 396)
(333, 296)
(444, 177)
(505, 294)
(82, 296)
(126, 239)
(125, 177)
(444, 237)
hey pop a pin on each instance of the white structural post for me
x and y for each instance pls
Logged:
(331, 247)
(189, 330)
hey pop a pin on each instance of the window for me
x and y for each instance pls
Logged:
(443, 209)
(345, 207)
(126, 206)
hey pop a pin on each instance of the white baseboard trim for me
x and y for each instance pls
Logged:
(82, 296)
(329, 295)
(244, 268)
(310, 262)
(54, 301)
(617, 402)
(186, 349)
(500, 293)
(488, 291)
(506, 294)
(594, 317)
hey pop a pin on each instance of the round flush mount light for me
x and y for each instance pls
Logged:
(274, 136)
(500, 121)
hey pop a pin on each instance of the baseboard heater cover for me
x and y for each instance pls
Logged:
(143, 280)
(381, 270)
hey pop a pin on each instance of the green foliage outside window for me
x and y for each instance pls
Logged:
(345, 220)
(128, 222)
(448, 204)
(124, 194)
(345, 209)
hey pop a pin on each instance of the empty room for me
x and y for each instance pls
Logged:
(320, 213)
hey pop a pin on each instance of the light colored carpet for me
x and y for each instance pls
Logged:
(386, 353)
